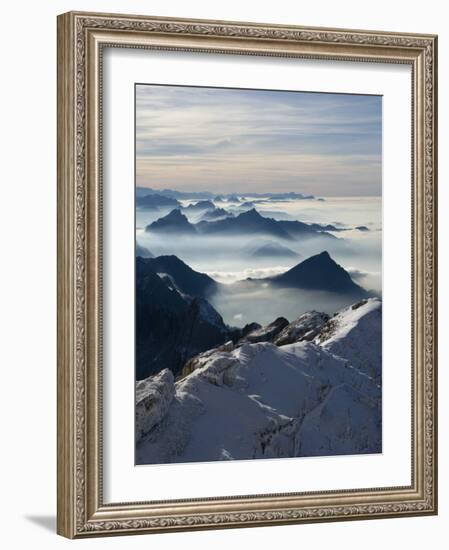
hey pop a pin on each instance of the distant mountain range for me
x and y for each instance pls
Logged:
(156, 201)
(249, 222)
(230, 197)
(179, 195)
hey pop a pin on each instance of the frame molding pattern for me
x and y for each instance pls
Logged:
(81, 514)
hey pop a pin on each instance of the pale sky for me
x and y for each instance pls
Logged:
(225, 141)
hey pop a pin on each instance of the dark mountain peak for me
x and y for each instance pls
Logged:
(246, 222)
(320, 272)
(321, 257)
(171, 327)
(173, 221)
(187, 280)
(175, 214)
(250, 215)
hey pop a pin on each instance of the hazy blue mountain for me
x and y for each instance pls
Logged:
(180, 195)
(247, 204)
(325, 227)
(273, 250)
(185, 279)
(300, 229)
(216, 214)
(288, 196)
(200, 206)
(156, 201)
(246, 222)
(143, 252)
(319, 272)
(173, 222)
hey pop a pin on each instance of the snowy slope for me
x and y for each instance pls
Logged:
(263, 401)
(356, 334)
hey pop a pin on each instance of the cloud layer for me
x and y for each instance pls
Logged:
(230, 140)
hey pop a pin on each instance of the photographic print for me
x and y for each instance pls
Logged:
(258, 276)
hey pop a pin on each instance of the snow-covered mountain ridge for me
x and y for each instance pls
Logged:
(318, 394)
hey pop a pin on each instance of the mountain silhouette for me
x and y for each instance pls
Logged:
(173, 222)
(200, 206)
(184, 278)
(273, 250)
(216, 214)
(247, 222)
(319, 272)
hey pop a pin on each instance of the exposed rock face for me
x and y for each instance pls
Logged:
(267, 333)
(201, 359)
(153, 399)
(171, 327)
(306, 327)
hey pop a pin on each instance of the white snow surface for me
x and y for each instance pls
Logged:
(264, 401)
(356, 334)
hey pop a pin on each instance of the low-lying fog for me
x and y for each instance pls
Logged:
(263, 303)
(230, 259)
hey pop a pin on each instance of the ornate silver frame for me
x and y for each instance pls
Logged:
(81, 39)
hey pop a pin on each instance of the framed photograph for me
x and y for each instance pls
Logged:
(246, 274)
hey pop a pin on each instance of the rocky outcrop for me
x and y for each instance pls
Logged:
(306, 327)
(264, 401)
(265, 334)
(153, 399)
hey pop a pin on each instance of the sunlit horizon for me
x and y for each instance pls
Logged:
(257, 141)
